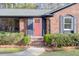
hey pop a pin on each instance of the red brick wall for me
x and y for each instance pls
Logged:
(48, 25)
(22, 25)
(72, 10)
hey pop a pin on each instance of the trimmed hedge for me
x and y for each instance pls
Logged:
(9, 38)
(62, 39)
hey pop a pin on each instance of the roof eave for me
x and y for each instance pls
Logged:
(63, 8)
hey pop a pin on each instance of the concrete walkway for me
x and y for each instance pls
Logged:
(32, 51)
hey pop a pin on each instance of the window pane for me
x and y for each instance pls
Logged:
(9, 24)
(68, 20)
(67, 26)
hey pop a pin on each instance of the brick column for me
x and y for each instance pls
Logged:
(22, 25)
(47, 25)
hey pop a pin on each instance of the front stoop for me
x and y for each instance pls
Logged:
(37, 41)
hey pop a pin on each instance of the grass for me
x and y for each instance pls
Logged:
(62, 53)
(10, 50)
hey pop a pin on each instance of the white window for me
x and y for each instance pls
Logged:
(68, 23)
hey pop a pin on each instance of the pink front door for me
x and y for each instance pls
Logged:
(37, 27)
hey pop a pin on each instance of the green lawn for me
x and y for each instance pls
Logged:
(62, 53)
(10, 50)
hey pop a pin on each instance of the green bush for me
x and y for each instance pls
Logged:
(7, 38)
(58, 39)
(62, 39)
(66, 40)
(71, 40)
(76, 39)
(48, 39)
(26, 40)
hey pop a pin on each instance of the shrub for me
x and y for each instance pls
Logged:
(7, 38)
(71, 40)
(76, 39)
(48, 39)
(26, 40)
(62, 39)
(66, 40)
(59, 40)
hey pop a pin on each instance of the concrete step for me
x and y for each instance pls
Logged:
(37, 41)
(36, 38)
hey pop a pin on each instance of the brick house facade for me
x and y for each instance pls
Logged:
(55, 20)
(40, 22)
